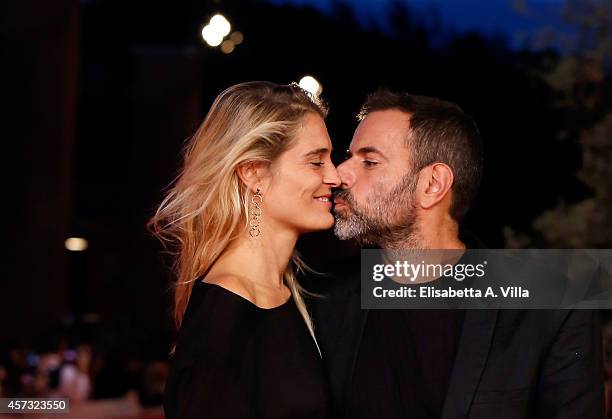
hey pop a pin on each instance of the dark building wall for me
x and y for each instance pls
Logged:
(151, 105)
(40, 76)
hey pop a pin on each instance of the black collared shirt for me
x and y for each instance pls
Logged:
(404, 364)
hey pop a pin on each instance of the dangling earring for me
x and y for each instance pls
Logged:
(256, 201)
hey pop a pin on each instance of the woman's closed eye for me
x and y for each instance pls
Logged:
(317, 163)
(370, 163)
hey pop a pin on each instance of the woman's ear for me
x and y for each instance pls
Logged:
(252, 174)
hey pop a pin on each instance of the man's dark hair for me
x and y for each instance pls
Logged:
(440, 132)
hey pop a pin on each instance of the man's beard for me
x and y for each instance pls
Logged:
(387, 220)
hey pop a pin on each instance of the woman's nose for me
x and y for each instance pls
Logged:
(332, 177)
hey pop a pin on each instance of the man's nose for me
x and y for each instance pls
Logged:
(347, 177)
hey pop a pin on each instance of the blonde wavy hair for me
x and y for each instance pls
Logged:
(206, 207)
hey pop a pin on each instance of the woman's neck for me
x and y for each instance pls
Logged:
(261, 260)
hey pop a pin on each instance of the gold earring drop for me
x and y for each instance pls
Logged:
(256, 212)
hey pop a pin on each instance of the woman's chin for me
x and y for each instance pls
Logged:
(323, 222)
(326, 223)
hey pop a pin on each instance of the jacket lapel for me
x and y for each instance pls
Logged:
(472, 354)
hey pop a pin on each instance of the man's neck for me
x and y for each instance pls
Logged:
(429, 234)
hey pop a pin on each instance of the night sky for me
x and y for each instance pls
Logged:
(518, 20)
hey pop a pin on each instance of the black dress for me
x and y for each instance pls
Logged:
(236, 360)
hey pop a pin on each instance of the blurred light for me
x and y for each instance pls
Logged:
(220, 24)
(227, 46)
(76, 244)
(310, 84)
(237, 37)
(32, 359)
(90, 318)
(70, 355)
(212, 35)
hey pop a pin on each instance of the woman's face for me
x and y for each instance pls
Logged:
(298, 195)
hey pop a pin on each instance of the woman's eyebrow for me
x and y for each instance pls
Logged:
(317, 152)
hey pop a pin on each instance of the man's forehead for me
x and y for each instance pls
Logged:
(382, 130)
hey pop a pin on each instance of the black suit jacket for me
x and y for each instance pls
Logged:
(509, 363)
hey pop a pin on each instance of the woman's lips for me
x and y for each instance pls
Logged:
(325, 199)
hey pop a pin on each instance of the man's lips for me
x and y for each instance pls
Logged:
(338, 202)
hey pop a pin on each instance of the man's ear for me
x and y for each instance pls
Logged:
(252, 174)
(435, 182)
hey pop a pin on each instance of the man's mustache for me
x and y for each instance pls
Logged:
(345, 195)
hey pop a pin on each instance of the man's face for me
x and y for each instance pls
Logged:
(378, 189)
